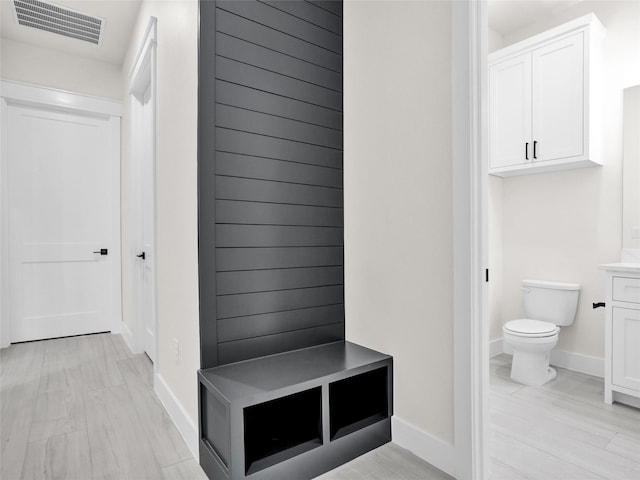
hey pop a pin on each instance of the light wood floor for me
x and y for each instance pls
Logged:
(84, 408)
(561, 430)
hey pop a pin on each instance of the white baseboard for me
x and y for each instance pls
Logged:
(578, 362)
(127, 336)
(178, 414)
(431, 449)
(495, 347)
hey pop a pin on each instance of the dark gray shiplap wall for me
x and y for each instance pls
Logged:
(270, 177)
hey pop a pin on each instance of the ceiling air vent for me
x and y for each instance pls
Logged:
(60, 20)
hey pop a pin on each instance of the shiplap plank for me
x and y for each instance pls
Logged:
(277, 236)
(334, 7)
(311, 14)
(278, 301)
(232, 141)
(231, 211)
(235, 165)
(232, 259)
(283, 22)
(252, 54)
(255, 77)
(267, 345)
(260, 101)
(232, 329)
(278, 279)
(265, 124)
(281, 42)
(234, 188)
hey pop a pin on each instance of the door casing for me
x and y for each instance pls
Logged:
(141, 78)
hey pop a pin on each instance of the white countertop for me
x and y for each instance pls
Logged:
(632, 267)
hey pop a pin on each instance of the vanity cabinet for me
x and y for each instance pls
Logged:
(622, 333)
(544, 101)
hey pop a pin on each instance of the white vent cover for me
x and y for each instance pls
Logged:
(60, 20)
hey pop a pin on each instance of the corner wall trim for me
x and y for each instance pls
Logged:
(429, 448)
(178, 415)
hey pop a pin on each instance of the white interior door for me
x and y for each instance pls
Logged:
(60, 217)
(145, 255)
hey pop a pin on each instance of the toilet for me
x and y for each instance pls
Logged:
(548, 306)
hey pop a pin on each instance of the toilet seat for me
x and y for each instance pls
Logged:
(529, 328)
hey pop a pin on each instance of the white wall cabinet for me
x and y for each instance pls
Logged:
(544, 101)
(622, 333)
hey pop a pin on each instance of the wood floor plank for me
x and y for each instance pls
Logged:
(120, 448)
(56, 413)
(17, 401)
(187, 470)
(137, 370)
(61, 457)
(545, 419)
(499, 471)
(570, 445)
(120, 349)
(625, 446)
(407, 465)
(565, 419)
(21, 362)
(388, 462)
(99, 368)
(61, 368)
(620, 418)
(533, 463)
(166, 443)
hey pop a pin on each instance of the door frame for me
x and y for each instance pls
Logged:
(470, 253)
(142, 76)
(25, 94)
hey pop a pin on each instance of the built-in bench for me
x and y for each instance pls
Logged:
(294, 415)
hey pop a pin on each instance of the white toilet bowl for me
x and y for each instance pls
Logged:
(552, 305)
(532, 342)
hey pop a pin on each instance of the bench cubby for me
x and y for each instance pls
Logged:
(294, 415)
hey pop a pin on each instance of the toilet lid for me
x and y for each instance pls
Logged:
(532, 328)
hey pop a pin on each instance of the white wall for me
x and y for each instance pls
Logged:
(561, 225)
(176, 199)
(494, 40)
(52, 68)
(398, 203)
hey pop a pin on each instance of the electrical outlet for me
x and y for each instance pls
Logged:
(176, 350)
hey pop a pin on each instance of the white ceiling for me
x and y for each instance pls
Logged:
(120, 16)
(506, 16)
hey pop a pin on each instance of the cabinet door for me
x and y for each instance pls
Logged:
(625, 357)
(510, 112)
(558, 101)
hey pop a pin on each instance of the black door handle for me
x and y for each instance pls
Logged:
(102, 251)
(143, 255)
(535, 144)
(526, 151)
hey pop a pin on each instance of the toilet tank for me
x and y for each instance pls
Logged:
(554, 302)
